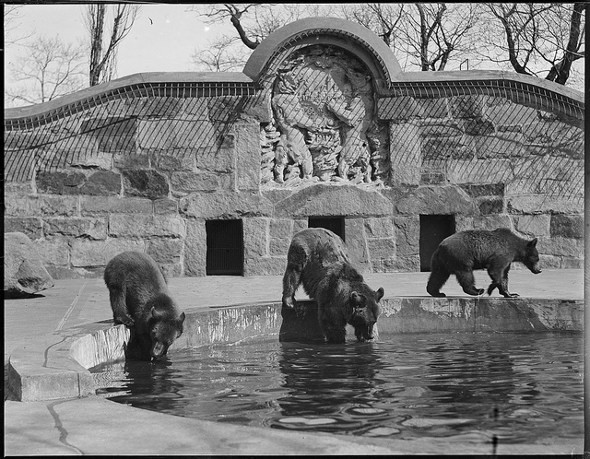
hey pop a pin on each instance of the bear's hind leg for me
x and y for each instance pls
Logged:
(119, 306)
(438, 277)
(467, 281)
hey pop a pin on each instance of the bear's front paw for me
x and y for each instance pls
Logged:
(512, 295)
(480, 291)
(127, 321)
(288, 303)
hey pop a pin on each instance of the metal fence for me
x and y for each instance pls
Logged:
(488, 130)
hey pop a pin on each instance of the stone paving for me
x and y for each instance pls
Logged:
(93, 425)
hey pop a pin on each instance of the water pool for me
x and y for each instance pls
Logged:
(510, 387)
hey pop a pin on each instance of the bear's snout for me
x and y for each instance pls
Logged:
(159, 350)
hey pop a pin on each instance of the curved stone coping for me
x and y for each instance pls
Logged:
(474, 76)
(56, 366)
(318, 27)
(125, 82)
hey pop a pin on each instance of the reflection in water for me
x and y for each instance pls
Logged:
(516, 388)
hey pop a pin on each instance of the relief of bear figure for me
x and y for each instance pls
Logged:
(140, 299)
(495, 250)
(318, 260)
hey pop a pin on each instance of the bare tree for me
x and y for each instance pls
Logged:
(384, 19)
(11, 13)
(435, 33)
(104, 41)
(219, 56)
(537, 39)
(50, 69)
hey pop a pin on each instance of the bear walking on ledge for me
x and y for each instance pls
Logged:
(465, 251)
(140, 300)
(318, 260)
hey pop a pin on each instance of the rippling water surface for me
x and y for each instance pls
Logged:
(520, 388)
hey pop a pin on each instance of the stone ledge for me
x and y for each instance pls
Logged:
(56, 366)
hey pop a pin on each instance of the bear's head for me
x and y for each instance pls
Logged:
(365, 310)
(531, 257)
(165, 326)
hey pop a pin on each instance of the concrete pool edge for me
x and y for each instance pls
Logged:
(56, 366)
(71, 420)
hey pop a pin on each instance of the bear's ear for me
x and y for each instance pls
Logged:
(181, 318)
(379, 294)
(155, 313)
(533, 243)
(356, 298)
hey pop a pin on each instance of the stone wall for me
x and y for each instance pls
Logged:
(146, 166)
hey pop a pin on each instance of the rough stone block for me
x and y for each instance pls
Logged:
(131, 161)
(182, 160)
(486, 189)
(532, 225)
(356, 243)
(112, 204)
(93, 161)
(410, 263)
(165, 206)
(406, 153)
(435, 108)
(87, 253)
(439, 148)
(569, 226)
(427, 200)
(478, 126)
(503, 145)
(114, 134)
(471, 106)
(376, 227)
(92, 228)
(54, 251)
(381, 249)
(536, 204)
(225, 204)
(256, 238)
(195, 248)
(481, 171)
(328, 200)
(199, 181)
(165, 250)
(145, 183)
(279, 247)
(67, 182)
(281, 228)
(102, 183)
(140, 225)
(491, 206)
(247, 149)
(491, 222)
(24, 273)
(399, 108)
(407, 236)
(267, 266)
(65, 206)
(561, 246)
(32, 227)
(220, 160)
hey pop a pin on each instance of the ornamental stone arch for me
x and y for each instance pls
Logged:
(321, 78)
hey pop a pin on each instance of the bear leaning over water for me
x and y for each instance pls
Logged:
(465, 251)
(318, 260)
(140, 299)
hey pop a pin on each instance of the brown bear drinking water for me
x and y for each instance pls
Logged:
(140, 300)
(465, 251)
(318, 260)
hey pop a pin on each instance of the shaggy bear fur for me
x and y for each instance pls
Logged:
(495, 250)
(318, 260)
(140, 300)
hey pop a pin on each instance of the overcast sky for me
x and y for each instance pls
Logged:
(164, 44)
(162, 40)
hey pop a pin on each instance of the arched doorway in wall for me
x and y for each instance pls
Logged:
(225, 247)
(433, 229)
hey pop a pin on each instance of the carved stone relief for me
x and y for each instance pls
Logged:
(324, 126)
